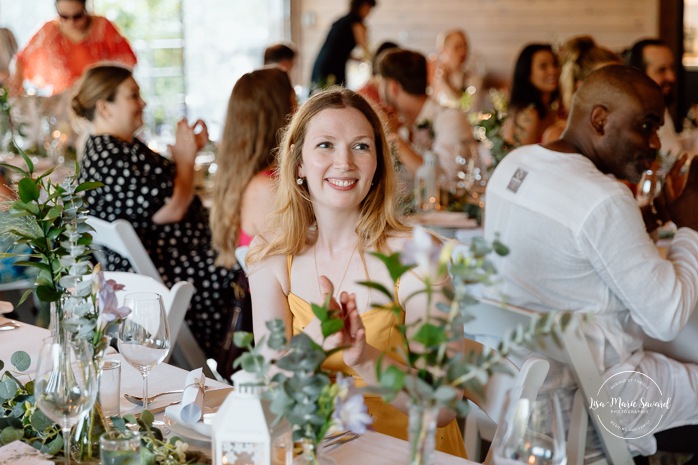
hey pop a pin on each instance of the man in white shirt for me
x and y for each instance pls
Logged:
(579, 241)
(443, 130)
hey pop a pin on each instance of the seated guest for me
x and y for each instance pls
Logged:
(243, 185)
(8, 48)
(444, 130)
(58, 54)
(371, 90)
(534, 91)
(448, 77)
(282, 55)
(578, 241)
(579, 56)
(155, 194)
(656, 59)
(337, 204)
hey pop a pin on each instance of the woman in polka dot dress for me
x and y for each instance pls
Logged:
(155, 195)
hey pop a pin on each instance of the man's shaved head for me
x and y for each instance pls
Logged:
(614, 120)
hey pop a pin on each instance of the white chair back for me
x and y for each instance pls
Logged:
(501, 390)
(240, 255)
(176, 300)
(495, 319)
(120, 237)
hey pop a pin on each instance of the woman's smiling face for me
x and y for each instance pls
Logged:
(339, 158)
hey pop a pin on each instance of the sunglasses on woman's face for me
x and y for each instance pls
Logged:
(75, 17)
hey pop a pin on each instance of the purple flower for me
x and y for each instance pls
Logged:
(108, 303)
(350, 412)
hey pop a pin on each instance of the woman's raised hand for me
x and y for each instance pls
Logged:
(353, 335)
(188, 142)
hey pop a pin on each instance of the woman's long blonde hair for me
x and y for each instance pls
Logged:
(258, 109)
(295, 216)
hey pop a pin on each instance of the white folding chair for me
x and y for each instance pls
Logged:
(240, 255)
(495, 319)
(176, 300)
(120, 237)
(501, 391)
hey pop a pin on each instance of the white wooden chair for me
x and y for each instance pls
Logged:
(495, 319)
(120, 237)
(502, 390)
(240, 255)
(176, 300)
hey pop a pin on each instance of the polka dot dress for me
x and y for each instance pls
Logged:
(137, 182)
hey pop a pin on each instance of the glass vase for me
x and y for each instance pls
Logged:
(86, 433)
(422, 432)
(312, 454)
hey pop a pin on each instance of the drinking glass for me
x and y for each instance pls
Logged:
(66, 383)
(534, 433)
(144, 336)
(120, 448)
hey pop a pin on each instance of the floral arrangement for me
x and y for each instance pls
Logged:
(488, 127)
(301, 391)
(20, 419)
(436, 371)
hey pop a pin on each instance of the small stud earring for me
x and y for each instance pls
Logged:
(299, 181)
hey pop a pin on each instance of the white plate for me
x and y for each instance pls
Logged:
(197, 431)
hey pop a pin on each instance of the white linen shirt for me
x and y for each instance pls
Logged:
(578, 242)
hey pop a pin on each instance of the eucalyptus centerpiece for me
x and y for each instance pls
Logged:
(50, 219)
(301, 391)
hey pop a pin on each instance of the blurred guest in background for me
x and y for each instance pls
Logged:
(443, 130)
(154, 194)
(345, 34)
(282, 54)
(243, 196)
(8, 49)
(63, 48)
(533, 105)
(371, 90)
(656, 59)
(579, 56)
(447, 75)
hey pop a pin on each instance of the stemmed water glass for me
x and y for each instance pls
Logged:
(534, 432)
(66, 383)
(144, 336)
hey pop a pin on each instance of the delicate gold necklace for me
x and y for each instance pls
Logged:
(344, 275)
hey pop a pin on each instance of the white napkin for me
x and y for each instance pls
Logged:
(6, 307)
(19, 452)
(193, 397)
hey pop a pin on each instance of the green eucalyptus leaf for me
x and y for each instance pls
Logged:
(147, 418)
(48, 294)
(40, 422)
(2, 365)
(320, 311)
(379, 287)
(8, 389)
(21, 360)
(243, 339)
(119, 424)
(392, 378)
(11, 434)
(53, 447)
(430, 335)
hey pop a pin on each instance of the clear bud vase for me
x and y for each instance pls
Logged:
(422, 432)
(85, 439)
(312, 454)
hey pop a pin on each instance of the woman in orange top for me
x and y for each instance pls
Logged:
(63, 48)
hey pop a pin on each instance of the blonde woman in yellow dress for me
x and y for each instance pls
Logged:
(336, 197)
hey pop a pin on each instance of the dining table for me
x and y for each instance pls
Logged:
(370, 448)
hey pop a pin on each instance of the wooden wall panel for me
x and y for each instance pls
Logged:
(497, 29)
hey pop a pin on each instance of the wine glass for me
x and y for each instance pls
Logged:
(534, 434)
(144, 336)
(65, 387)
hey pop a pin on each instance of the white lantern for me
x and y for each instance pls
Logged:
(242, 428)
